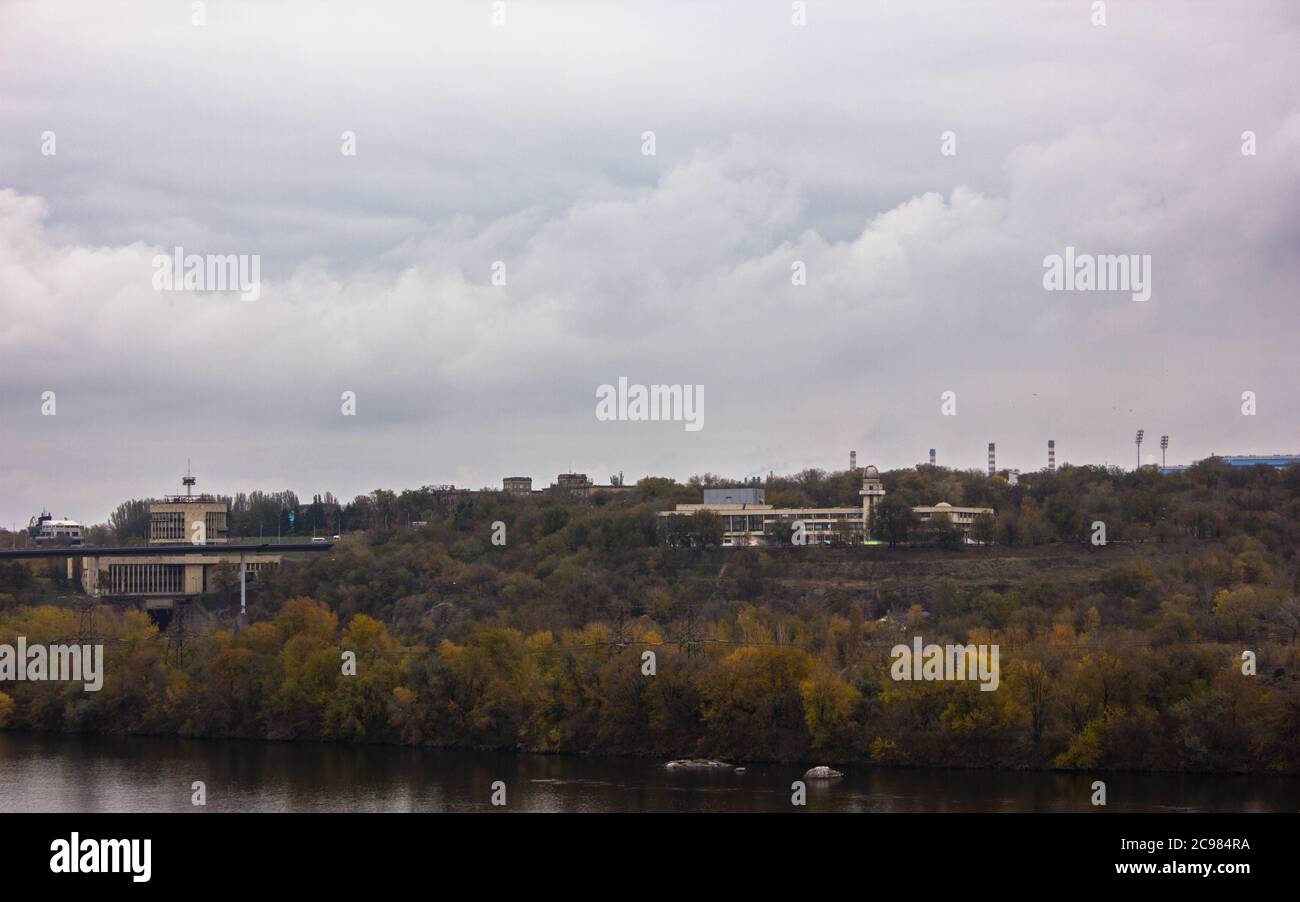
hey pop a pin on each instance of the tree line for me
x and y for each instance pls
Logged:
(1128, 656)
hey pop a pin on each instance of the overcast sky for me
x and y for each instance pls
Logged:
(522, 143)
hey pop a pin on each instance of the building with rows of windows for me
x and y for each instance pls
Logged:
(748, 520)
(160, 579)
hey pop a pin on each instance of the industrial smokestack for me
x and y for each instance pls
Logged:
(932, 457)
(993, 468)
(1051, 455)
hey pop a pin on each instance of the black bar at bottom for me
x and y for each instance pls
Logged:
(649, 854)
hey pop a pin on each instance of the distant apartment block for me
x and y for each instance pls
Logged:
(517, 485)
(577, 485)
(568, 485)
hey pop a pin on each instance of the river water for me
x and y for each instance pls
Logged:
(116, 774)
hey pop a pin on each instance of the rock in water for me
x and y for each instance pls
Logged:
(822, 773)
(696, 764)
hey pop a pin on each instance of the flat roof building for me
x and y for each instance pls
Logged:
(962, 517)
(580, 485)
(517, 485)
(159, 580)
(199, 519)
(746, 495)
(576, 484)
(1279, 461)
(746, 523)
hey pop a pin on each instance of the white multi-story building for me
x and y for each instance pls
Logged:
(45, 530)
(748, 520)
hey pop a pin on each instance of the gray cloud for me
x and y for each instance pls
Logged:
(522, 144)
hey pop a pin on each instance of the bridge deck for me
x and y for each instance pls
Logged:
(153, 550)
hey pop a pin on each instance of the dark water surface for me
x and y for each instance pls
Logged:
(85, 773)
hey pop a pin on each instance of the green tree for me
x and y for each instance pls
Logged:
(130, 521)
(892, 520)
(554, 518)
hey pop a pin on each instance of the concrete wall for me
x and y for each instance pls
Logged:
(212, 514)
(196, 571)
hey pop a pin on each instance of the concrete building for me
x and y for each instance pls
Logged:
(1279, 461)
(201, 519)
(748, 524)
(578, 485)
(45, 530)
(746, 495)
(162, 579)
(873, 490)
(167, 576)
(961, 517)
(747, 520)
(517, 485)
(569, 485)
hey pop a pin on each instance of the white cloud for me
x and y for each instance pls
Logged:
(522, 144)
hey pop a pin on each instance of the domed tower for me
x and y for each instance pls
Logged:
(872, 491)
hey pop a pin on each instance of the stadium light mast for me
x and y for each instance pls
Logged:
(1138, 441)
(1164, 446)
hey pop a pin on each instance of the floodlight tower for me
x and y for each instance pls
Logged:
(1138, 441)
(1164, 446)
